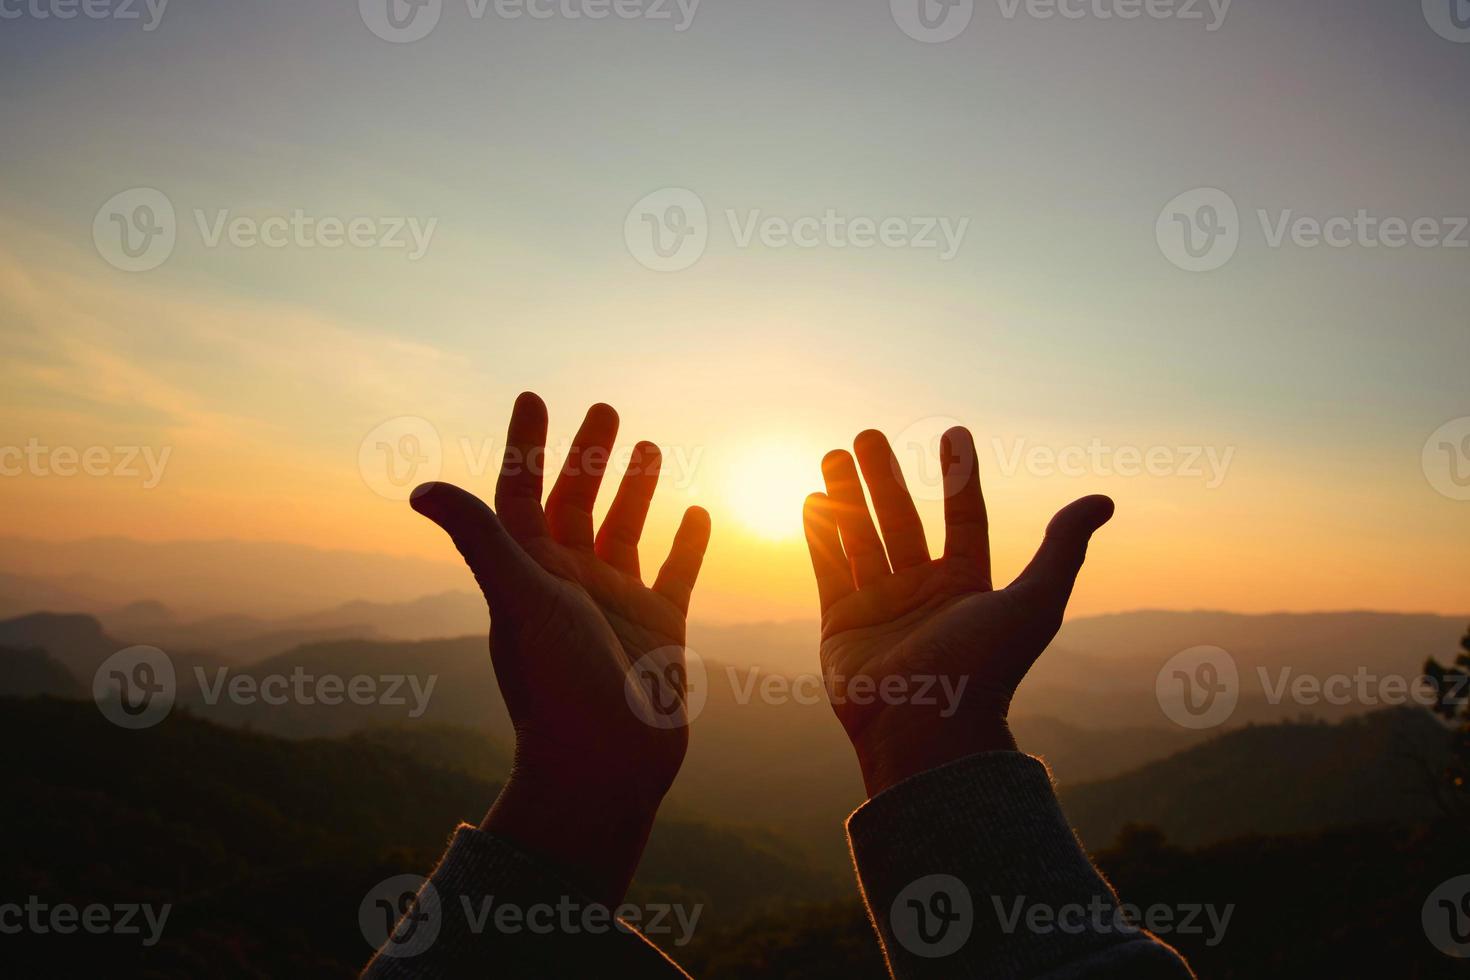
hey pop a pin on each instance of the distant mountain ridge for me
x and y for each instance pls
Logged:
(207, 578)
(1284, 778)
(741, 763)
(1106, 667)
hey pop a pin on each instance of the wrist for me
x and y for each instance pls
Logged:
(590, 831)
(889, 754)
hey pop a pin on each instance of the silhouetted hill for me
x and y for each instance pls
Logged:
(31, 673)
(1340, 903)
(79, 644)
(266, 846)
(741, 767)
(1269, 779)
(75, 641)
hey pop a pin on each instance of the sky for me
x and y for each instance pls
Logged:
(858, 225)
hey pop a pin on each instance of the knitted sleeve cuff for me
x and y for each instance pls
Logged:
(971, 869)
(491, 909)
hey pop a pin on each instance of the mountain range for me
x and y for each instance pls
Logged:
(782, 764)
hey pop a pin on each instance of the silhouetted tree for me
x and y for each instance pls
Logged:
(1452, 702)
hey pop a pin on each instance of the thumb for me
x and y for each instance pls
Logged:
(497, 562)
(1064, 548)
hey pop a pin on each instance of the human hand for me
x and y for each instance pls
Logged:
(907, 619)
(569, 617)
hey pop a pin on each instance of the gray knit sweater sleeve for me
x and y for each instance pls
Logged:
(491, 910)
(971, 870)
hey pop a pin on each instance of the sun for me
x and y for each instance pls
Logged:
(765, 485)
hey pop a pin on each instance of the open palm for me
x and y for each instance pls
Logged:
(570, 616)
(921, 655)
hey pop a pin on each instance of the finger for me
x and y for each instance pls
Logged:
(675, 580)
(966, 526)
(617, 539)
(897, 516)
(569, 506)
(1060, 557)
(859, 536)
(834, 577)
(518, 491)
(498, 563)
